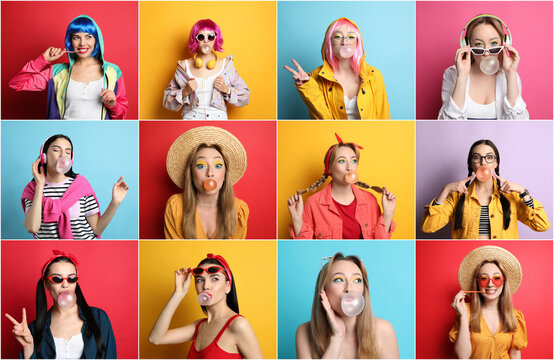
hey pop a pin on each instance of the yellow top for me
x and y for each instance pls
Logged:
(485, 345)
(325, 98)
(437, 216)
(173, 224)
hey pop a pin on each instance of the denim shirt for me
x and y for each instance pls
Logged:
(47, 349)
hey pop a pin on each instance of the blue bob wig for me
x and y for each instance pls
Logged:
(85, 25)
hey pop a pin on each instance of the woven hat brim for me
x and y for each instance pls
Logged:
(210, 135)
(476, 257)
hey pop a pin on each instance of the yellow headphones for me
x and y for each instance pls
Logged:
(198, 62)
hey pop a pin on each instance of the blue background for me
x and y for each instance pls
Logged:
(391, 271)
(388, 32)
(104, 151)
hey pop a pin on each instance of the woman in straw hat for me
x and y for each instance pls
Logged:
(206, 162)
(489, 327)
(341, 210)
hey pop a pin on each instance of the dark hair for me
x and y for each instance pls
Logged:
(92, 328)
(503, 200)
(47, 144)
(232, 301)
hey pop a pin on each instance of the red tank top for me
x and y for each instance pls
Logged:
(212, 351)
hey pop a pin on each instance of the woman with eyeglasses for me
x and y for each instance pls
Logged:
(70, 329)
(224, 334)
(204, 84)
(332, 333)
(341, 210)
(489, 327)
(345, 87)
(483, 205)
(483, 83)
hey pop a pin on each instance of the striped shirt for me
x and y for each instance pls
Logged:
(80, 227)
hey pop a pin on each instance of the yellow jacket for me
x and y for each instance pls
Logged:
(437, 216)
(325, 98)
(173, 224)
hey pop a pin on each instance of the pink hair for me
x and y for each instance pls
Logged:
(327, 47)
(205, 24)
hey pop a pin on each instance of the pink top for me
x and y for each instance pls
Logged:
(212, 351)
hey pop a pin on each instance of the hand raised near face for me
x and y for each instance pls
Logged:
(299, 75)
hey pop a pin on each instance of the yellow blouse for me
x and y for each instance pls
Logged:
(173, 224)
(437, 216)
(485, 345)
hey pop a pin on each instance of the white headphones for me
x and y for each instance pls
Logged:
(507, 34)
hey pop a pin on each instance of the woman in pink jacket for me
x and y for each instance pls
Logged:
(342, 210)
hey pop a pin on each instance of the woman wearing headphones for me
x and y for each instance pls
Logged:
(60, 204)
(483, 84)
(202, 86)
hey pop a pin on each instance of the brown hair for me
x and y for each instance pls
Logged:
(505, 308)
(226, 211)
(484, 20)
(319, 331)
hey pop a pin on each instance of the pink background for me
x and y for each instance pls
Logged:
(109, 281)
(438, 28)
(437, 265)
(29, 28)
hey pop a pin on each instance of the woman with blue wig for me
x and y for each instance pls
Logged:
(86, 88)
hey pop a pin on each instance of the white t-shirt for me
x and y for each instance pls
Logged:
(83, 101)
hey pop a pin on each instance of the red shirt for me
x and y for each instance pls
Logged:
(350, 227)
(212, 351)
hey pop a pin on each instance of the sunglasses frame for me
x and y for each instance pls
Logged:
(206, 270)
(473, 48)
(205, 36)
(51, 278)
(349, 38)
(497, 280)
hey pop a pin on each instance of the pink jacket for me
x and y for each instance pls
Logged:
(321, 219)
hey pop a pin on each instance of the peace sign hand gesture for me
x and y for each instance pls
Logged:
(22, 333)
(300, 77)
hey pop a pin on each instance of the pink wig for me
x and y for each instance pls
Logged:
(327, 47)
(205, 24)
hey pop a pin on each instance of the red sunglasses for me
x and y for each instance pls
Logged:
(57, 279)
(497, 280)
(209, 270)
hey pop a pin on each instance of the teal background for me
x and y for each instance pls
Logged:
(103, 151)
(388, 32)
(390, 267)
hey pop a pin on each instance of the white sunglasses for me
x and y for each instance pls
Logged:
(481, 51)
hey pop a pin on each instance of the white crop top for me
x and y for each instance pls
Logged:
(72, 349)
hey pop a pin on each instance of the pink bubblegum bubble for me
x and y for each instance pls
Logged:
(346, 52)
(489, 65)
(210, 184)
(64, 164)
(483, 173)
(352, 304)
(66, 299)
(351, 177)
(204, 298)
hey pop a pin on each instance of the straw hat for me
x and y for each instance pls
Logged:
(209, 135)
(489, 252)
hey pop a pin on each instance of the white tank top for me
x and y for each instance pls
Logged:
(204, 92)
(351, 106)
(72, 349)
(480, 112)
(83, 101)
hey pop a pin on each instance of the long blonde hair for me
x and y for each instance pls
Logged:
(505, 309)
(226, 210)
(319, 330)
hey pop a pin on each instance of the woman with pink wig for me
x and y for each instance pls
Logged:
(345, 87)
(204, 84)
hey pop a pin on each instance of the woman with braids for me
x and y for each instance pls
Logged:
(331, 334)
(224, 334)
(489, 327)
(341, 210)
(68, 330)
(485, 207)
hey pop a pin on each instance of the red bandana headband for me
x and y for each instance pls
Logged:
(222, 261)
(58, 254)
(328, 156)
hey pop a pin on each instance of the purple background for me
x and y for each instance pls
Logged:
(525, 149)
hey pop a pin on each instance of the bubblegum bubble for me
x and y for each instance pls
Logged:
(205, 49)
(210, 184)
(489, 65)
(66, 299)
(483, 173)
(204, 298)
(352, 304)
(351, 177)
(346, 52)
(64, 164)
